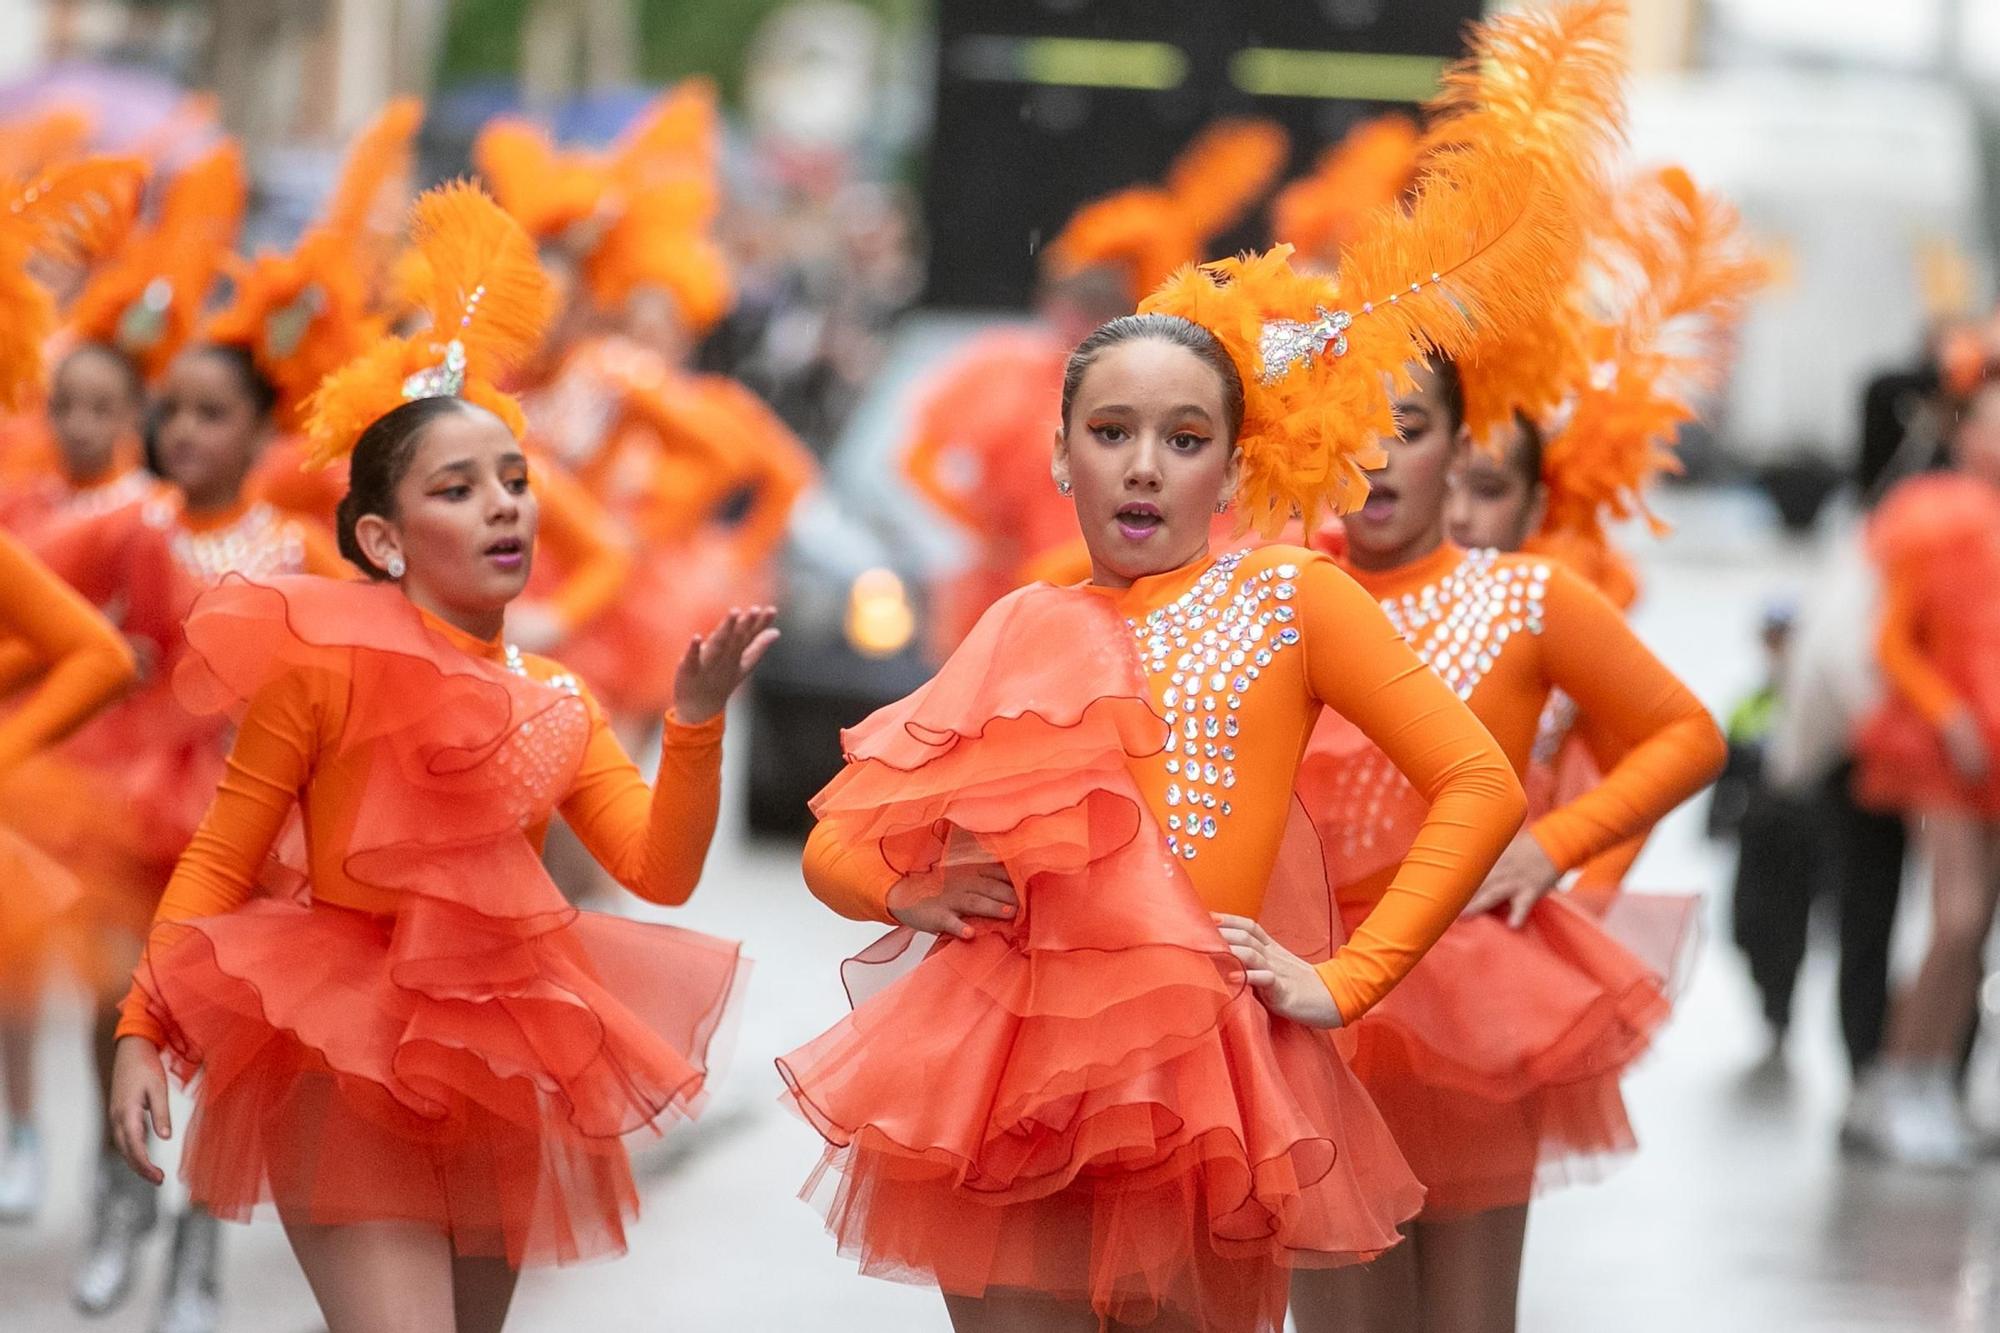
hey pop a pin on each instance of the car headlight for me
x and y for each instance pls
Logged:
(879, 619)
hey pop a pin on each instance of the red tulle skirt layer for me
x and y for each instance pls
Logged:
(1497, 1060)
(348, 1073)
(1087, 1102)
(1900, 764)
(630, 652)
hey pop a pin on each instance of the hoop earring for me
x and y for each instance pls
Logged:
(396, 567)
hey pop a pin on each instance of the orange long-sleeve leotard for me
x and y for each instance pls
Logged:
(1343, 656)
(86, 663)
(652, 840)
(1562, 634)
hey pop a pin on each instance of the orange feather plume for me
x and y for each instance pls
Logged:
(547, 190)
(1217, 178)
(36, 143)
(1368, 169)
(69, 213)
(301, 316)
(1679, 272)
(148, 298)
(1151, 231)
(488, 302)
(1549, 85)
(1485, 246)
(679, 133)
(375, 174)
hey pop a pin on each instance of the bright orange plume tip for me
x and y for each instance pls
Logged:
(1151, 231)
(71, 212)
(488, 302)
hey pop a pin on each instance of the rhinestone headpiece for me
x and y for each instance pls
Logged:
(1284, 343)
(444, 380)
(447, 379)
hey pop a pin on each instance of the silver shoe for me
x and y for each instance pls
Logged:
(22, 1176)
(192, 1301)
(125, 1209)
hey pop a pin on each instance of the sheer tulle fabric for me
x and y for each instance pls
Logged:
(1087, 1101)
(472, 1059)
(1937, 539)
(1496, 1061)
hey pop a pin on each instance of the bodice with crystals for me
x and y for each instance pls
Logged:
(1460, 625)
(92, 501)
(263, 543)
(1205, 653)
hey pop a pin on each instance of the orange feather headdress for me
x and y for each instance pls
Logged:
(1485, 247)
(69, 212)
(36, 143)
(304, 314)
(147, 299)
(1149, 231)
(488, 302)
(1550, 83)
(634, 216)
(1367, 170)
(1676, 273)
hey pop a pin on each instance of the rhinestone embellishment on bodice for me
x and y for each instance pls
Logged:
(540, 754)
(261, 544)
(1459, 624)
(1211, 644)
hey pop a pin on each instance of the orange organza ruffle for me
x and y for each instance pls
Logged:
(1086, 1102)
(1937, 539)
(471, 1060)
(1496, 1060)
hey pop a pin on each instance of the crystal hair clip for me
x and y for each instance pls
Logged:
(446, 379)
(1285, 343)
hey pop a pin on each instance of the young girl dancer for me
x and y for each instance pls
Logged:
(1069, 1115)
(1927, 753)
(59, 661)
(427, 1061)
(1497, 1063)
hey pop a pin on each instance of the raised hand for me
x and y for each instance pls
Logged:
(1286, 983)
(717, 662)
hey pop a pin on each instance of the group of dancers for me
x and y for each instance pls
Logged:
(1230, 970)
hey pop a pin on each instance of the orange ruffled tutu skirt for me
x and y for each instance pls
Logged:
(1497, 1060)
(1086, 1102)
(471, 1060)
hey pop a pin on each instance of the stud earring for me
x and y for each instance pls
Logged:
(1222, 506)
(396, 567)
(1062, 488)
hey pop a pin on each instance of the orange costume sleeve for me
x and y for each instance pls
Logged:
(87, 662)
(1363, 670)
(775, 466)
(1671, 746)
(652, 840)
(1904, 665)
(590, 546)
(938, 448)
(1606, 872)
